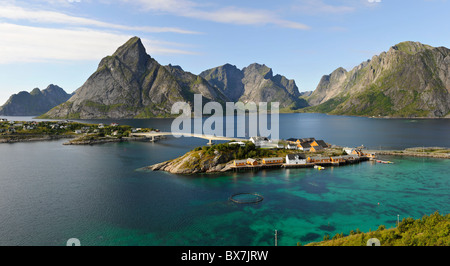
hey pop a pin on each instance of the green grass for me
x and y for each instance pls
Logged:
(433, 230)
(326, 107)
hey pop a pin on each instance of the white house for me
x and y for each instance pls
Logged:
(292, 147)
(260, 141)
(349, 150)
(296, 158)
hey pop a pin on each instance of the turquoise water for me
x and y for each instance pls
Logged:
(50, 193)
(304, 205)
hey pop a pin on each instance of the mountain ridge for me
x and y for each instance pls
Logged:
(131, 84)
(255, 83)
(35, 102)
(409, 80)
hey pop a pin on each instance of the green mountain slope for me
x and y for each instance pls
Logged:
(410, 80)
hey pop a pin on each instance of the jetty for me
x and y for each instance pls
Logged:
(310, 162)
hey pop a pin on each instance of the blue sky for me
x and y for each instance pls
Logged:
(61, 42)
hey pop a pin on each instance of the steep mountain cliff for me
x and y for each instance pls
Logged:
(131, 84)
(255, 83)
(36, 102)
(410, 80)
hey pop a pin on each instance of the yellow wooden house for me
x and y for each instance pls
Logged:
(269, 161)
(252, 162)
(238, 163)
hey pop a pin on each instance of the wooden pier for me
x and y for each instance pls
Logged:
(293, 166)
(256, 167)
(308, 165)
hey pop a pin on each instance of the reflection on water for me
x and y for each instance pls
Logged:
(50, 192)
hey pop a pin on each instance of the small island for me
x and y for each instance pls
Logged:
(79, 133)
(258, 153)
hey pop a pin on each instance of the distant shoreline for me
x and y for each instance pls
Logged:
(80, 133)
(103, 141)
(37, 138)
(369, 116)
(299, 111)
(415, 153)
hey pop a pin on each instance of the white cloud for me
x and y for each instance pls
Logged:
(320, 7)
(35, 44)
(12, 12)
(230, 15)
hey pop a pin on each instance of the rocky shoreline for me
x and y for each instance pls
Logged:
(414, 154)
(101, 141)
(37, 138)
(195, 162)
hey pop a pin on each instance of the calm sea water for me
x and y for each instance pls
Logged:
(50, 192)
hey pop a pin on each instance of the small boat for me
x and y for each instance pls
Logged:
(384, 162)
(319, 167)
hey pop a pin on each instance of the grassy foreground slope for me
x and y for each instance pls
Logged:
(433, 230)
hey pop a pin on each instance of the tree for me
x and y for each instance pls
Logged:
(381, 228)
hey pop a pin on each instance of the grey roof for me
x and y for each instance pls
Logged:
(349, 156)
(305, 145)
(320, 158)
(318, 148)
(299, 156)
(322, 143)
(273, 159)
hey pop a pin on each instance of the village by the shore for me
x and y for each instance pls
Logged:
(78, 133)
(303, 153)
(290, 153)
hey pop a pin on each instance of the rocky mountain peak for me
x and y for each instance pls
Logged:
(228, 66)
(411, 47)
(131, 84)
(35, 91)
(410, 80)
(255, 83)
(133, 54)
(263, 70)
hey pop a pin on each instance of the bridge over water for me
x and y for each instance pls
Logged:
(210, 138)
